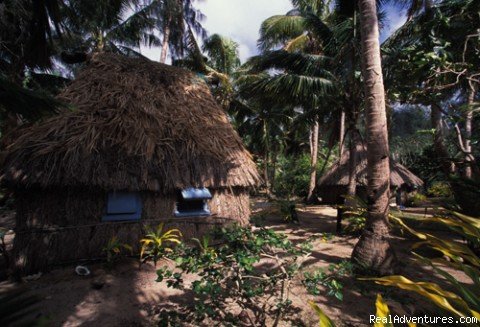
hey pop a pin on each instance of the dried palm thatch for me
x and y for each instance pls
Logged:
(338, 174)
(137, 125)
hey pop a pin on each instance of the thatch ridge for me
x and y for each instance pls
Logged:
(137, 125)
(338, 174)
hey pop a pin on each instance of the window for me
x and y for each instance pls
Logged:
(192, 202)
(123, 206)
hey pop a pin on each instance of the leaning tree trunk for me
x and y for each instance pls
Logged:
(166, 39)
(313, 160)
(439, 145)
(342, 133)
(468, 133)
(352, 164)
(373, 251)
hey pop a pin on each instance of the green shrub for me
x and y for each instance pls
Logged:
(113, 250)
(231, 280)
(288, 210)
(440, 190)
(416, 199)
(292, 176)
(329, 278)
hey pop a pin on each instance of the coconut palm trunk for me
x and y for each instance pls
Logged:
(439, 144)
(165, 41)
(313, 160)
(342, 133)
(373, 251)
(468, 132)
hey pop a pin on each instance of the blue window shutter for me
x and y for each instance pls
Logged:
(121, 202)
(123, 206)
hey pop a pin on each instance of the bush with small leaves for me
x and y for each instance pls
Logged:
(246, 278)
(328, 278)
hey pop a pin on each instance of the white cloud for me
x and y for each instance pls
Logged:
(241, 19)
(237, 19)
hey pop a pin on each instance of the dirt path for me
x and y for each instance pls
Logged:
(132, 297)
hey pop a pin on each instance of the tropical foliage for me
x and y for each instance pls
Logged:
(155, 243)
(463, 300)
(232, 284)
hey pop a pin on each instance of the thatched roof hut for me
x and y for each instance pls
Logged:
(138, 127)
(334, 182)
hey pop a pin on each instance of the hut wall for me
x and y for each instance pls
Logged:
(64, 226)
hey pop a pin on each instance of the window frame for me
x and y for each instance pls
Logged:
(190, 195)
(122, 216)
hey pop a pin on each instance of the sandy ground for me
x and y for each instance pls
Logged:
(132, 297)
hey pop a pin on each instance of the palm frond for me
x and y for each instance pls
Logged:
(30, 105)
(277, 30)
(223, 53)
(297, 63)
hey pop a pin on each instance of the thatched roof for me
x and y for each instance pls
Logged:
(137, 125)
(338, 174)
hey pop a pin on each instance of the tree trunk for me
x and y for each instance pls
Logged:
(349, 200)
(373, 252)
(265, 174)
(468, 133)
(266, 159)
(352, 164)
(342, 133)
(166, 39)
(313, 160)
(439, 141)
(273, 168)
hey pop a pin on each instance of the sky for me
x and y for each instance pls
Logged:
(241, 19)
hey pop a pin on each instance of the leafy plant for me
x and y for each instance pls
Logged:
(328, 278)
(292, 176)
(440, 189)
(288, 210)
(382, 315)
(355, 214)
(113, 249)
(3, 246)
(323, 319)
(249, 272)
(416, 200)
(463, 300)
(204, 246)
(154, 243)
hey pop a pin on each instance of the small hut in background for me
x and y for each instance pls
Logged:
(333, 184)
(145, 143)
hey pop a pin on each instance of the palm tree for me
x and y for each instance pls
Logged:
(115, 26)
(217, 61)
(27, 36)
(373, 251)
(263, 128)
(175, 20)
(222, 53)
(299, 80)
